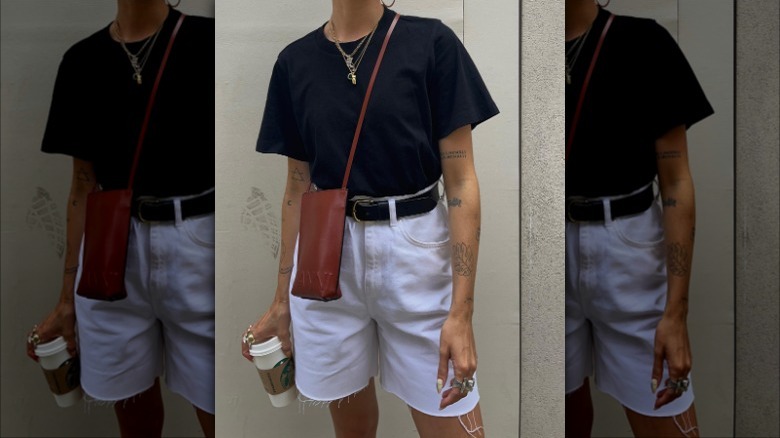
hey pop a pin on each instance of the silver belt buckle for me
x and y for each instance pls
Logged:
(367, 202)
(141, 203)
(572, 200)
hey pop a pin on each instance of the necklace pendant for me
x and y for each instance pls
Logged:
(349, 62)
(352, 77)
(137, 77)
(568, 79)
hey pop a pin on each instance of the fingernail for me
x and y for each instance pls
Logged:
(439, 385)
(654, 385)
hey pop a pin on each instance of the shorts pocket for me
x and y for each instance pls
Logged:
(428, 230)
(643, 230)
(200, 230)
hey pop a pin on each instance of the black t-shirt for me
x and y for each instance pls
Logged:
(642, 86)
(426, 88)
(97, 110)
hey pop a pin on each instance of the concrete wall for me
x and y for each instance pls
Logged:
(542, 273)
(35, 34)
(757, 411)
(249, 37)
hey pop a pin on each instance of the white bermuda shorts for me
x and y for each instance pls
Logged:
(615, 296)
(166, 323)
(396, 284)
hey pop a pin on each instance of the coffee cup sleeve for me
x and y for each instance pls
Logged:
(65, 378)
(280, 378)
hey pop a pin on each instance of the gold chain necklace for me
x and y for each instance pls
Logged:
(579, 43)
(137, 65)
(348, 58)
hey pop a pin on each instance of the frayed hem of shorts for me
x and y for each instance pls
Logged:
(661, 413)
(304, 401)
(90, 400)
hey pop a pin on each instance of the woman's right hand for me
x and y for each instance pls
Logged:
(60, 322)
(275, 322)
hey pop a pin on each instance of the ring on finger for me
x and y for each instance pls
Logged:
(249, 337)
(465, 386)
(679, 386)
(34, 338)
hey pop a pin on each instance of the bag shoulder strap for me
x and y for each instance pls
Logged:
(365, 101)
(150, 104)
(573, 128)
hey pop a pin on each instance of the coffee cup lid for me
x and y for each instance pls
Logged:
(52, 347)
(266, 347)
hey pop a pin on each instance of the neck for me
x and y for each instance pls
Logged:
(352, 19)
(580, 14)
(139, 19)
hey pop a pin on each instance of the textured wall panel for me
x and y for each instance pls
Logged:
(757, 242)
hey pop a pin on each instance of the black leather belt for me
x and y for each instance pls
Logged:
(579, 209)
(156, 210)
(371, 210)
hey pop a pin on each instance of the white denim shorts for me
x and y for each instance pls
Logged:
(396, 284)
(615, 296)
(166, 323)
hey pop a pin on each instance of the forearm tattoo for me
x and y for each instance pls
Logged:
(453, 154)
(83, 176)
(72, 270)
(670, 202)
(668, 154)
(677, 259)
(479, 233)
(285, 271)
(454, 202)
(463, 259)
(297, 175)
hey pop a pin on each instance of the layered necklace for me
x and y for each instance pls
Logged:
(139, 58)
(350, 60)
(574, 53)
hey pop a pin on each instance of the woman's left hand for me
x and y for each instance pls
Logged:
(456, 345)
(672, 346)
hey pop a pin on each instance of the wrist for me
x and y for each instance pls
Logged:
(66, 298)
(461, 313)
(677, 312)
(281, 299)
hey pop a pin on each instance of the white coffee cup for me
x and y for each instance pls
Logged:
(61, 371)
(277, 371)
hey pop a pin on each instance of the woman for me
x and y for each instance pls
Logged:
(407, 278)
(627, 260)
(166, 323)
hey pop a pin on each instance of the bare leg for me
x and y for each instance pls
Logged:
(683, 425)
(579, 412)
(141, 415)
(464, 426)
(206, 422)
(357, 415)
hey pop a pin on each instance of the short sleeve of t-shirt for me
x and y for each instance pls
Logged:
(62, 134)
(279, 133)
(674, 94)
(460, 96)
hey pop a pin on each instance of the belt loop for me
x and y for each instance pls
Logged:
(177, 210)
(391, 209)
(607, 210)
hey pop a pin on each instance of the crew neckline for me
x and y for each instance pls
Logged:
(329, 47)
